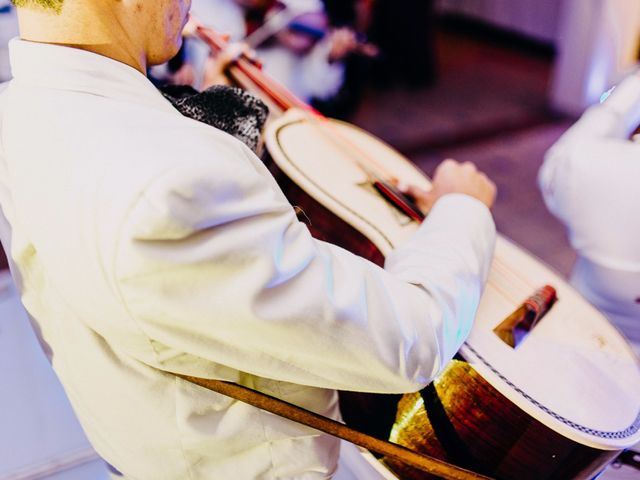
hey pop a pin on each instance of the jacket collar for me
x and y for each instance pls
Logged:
(75, 70)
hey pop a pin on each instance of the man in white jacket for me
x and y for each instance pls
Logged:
(146, 243)
(589, 180)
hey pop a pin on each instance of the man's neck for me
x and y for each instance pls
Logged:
(81, 26)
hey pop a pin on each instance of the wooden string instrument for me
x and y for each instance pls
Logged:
(562, 404)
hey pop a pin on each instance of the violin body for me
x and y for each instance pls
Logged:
(542, 411)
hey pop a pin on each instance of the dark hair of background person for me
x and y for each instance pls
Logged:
(404, 31)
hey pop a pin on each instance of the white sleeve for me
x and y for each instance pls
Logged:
(214, 264)
(320, 78)
(590, 177)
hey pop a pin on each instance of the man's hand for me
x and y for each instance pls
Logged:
(453, 177)
(343, 41)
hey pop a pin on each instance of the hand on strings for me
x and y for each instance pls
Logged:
(343, 41)
(453, 177)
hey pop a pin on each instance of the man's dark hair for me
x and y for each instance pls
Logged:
(55, 5)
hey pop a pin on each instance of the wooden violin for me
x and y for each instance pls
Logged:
(561, 405)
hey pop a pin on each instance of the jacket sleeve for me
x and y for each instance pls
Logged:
(213, 264)
(590, 176)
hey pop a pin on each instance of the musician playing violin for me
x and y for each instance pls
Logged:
(292, 39)
(145, 244)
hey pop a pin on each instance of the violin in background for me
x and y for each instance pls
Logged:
(321, 63)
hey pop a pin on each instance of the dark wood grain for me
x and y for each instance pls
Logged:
(471, 424)
(322, 223)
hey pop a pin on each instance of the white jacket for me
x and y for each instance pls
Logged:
(147, 243)
(590, 181)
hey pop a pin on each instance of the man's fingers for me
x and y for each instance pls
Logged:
(423, 198)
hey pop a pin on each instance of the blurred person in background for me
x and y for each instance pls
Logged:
(304, 53)
(354, 15)
(589, 180)
(8, 30)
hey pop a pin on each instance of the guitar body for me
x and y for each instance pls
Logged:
(463, 419)
(562, 405)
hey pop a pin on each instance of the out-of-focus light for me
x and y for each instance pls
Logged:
(606, 94)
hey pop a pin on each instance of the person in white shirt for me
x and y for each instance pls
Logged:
(590, 180)
(311, 68)
(145, 243)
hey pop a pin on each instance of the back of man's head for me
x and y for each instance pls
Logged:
(55, 5)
